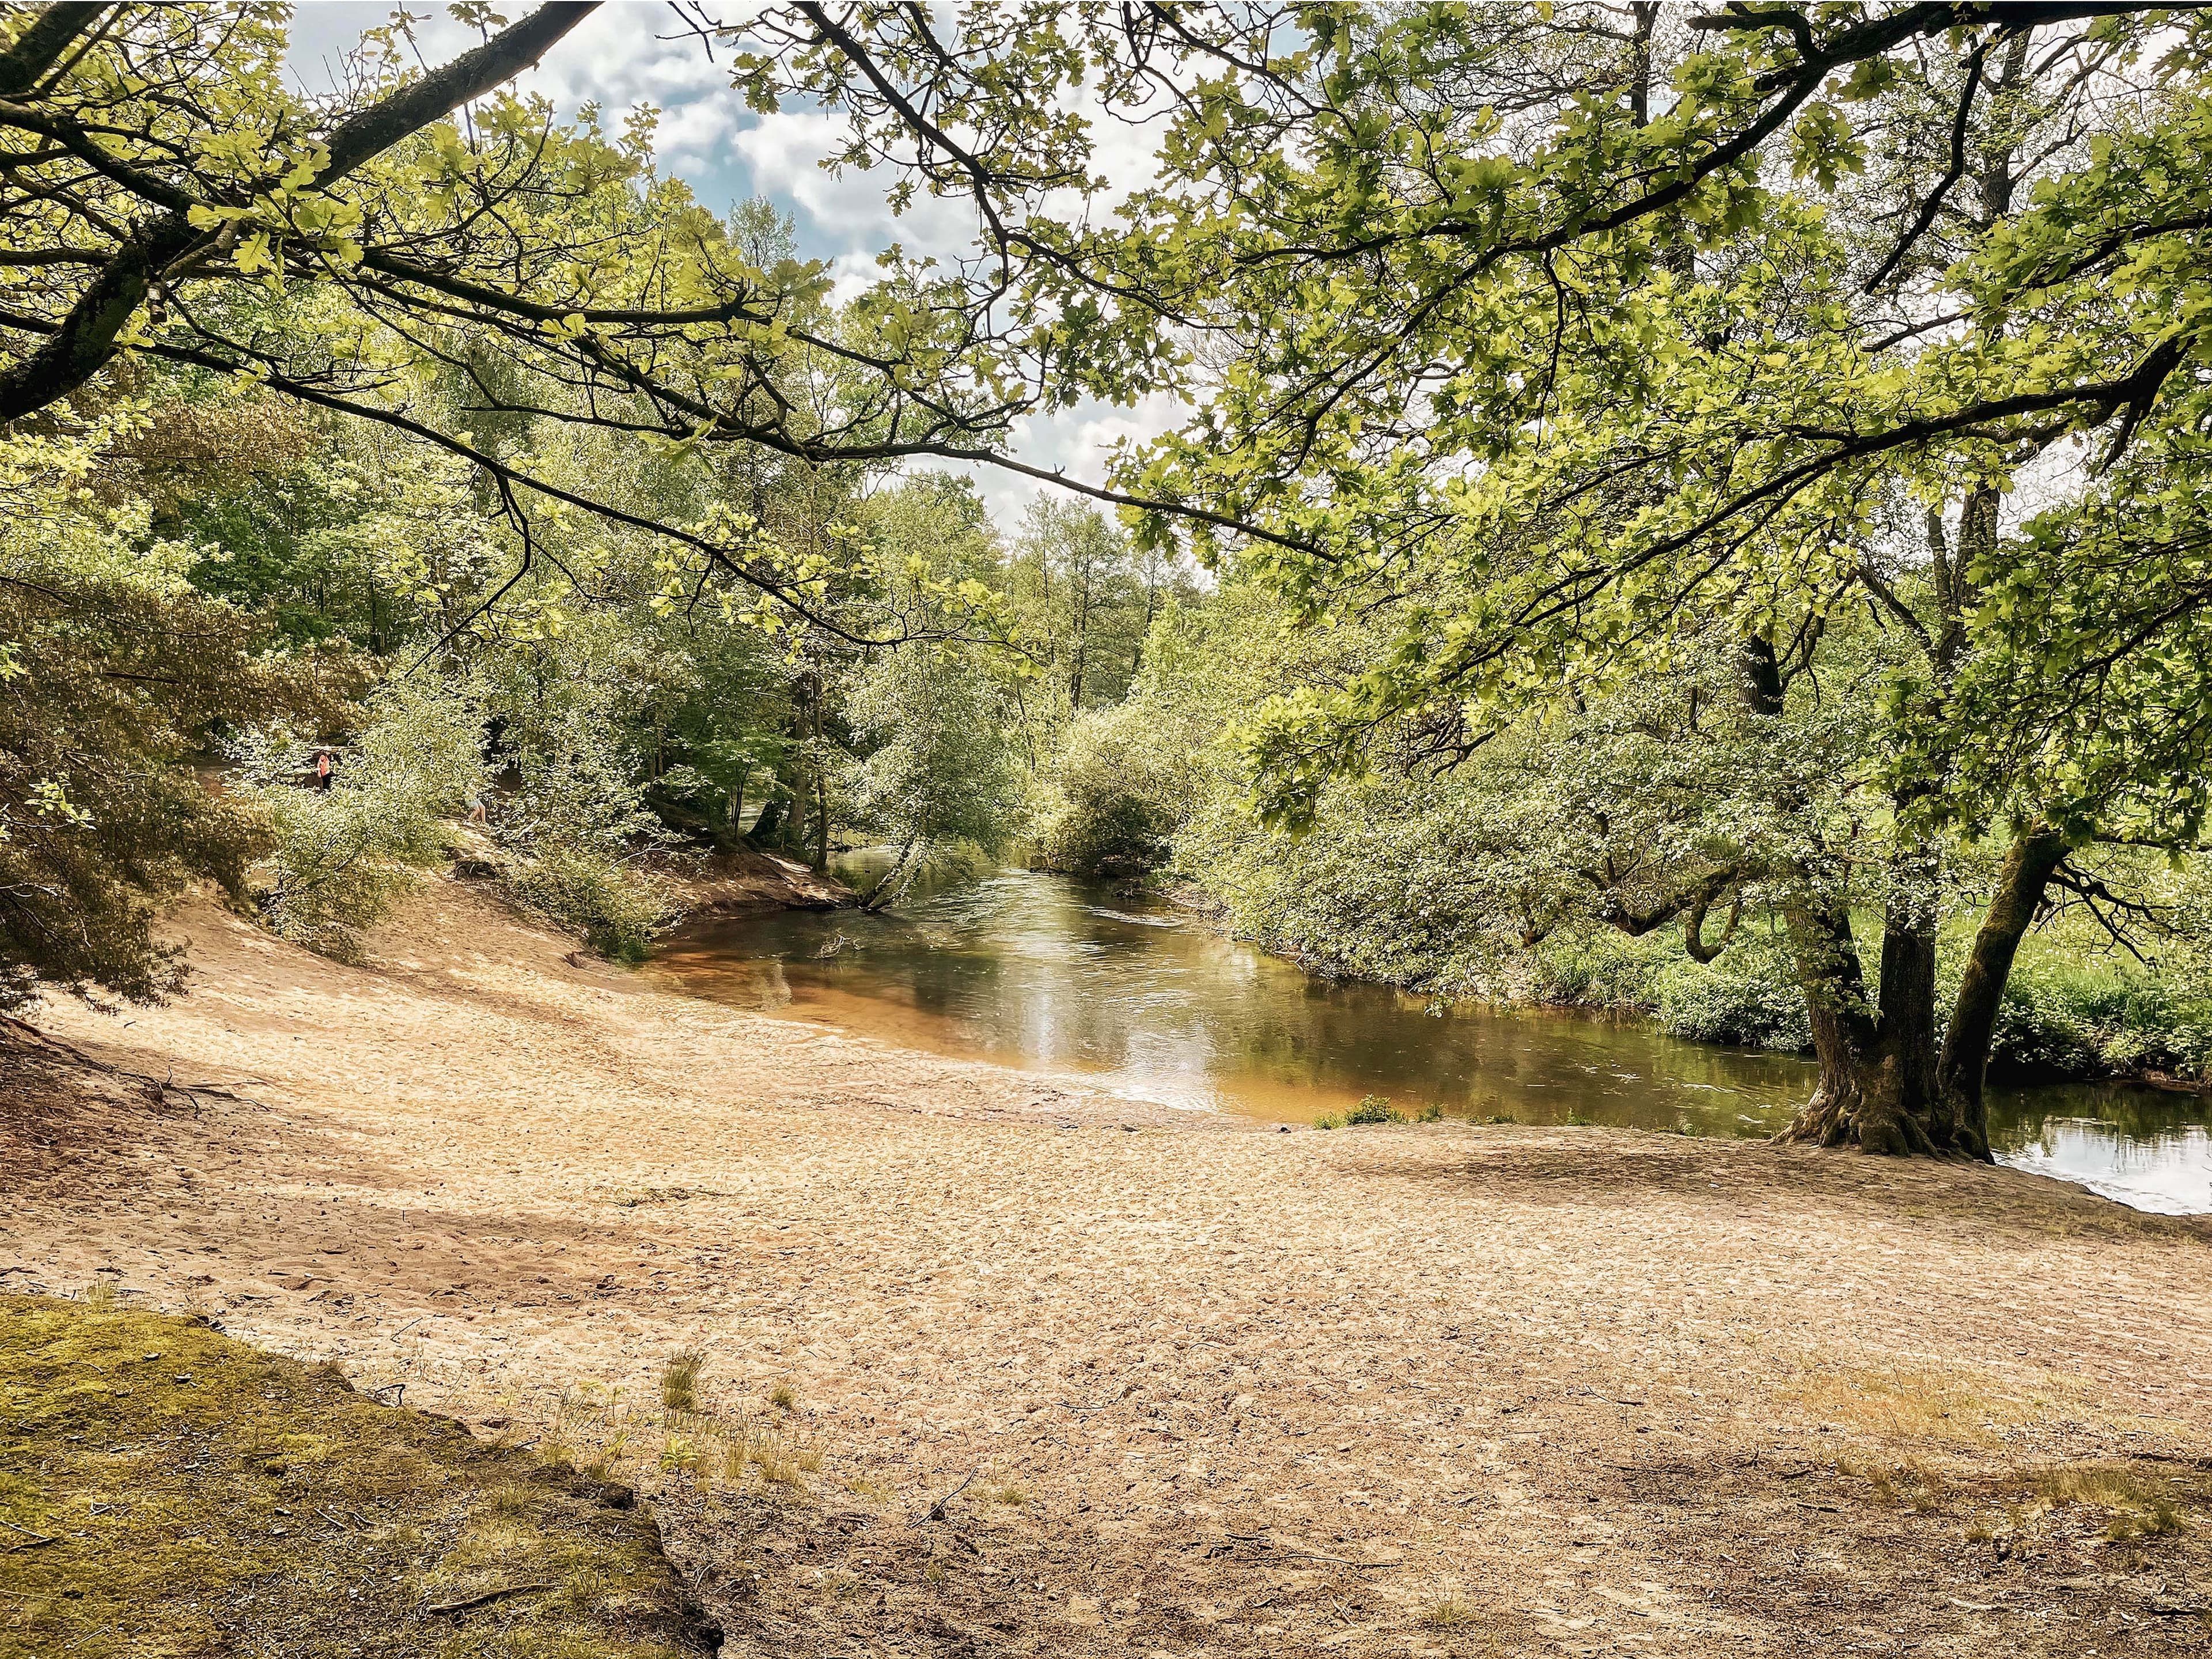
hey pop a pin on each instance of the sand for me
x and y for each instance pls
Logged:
(1212, 1388)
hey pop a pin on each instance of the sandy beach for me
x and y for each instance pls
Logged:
(1192, 1386)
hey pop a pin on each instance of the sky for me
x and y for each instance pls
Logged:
(630, 53)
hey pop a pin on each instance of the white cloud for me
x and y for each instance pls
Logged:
(631, 53)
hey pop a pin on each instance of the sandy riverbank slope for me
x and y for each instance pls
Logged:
(1212, 1389)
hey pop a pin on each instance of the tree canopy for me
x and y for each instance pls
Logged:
(1773, 436)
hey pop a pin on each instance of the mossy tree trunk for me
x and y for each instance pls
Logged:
(1885, 1085)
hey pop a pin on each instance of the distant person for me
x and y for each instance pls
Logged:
(325, 765)
(476, 807)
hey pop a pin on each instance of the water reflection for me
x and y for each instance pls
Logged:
(1042, 972)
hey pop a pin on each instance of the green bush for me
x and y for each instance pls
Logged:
(1113, 798)
(619, 907)
(1374, 1108)
(1748, 996)
(343, 856)
(2059, 1018)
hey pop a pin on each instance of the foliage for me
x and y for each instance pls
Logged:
(345, 855)
(617, 905)
(1748, 997)
(1114, 797)
(1373, 1108)
(2068, 1019)
(939, 775)
(1085, 597)
(111, 674)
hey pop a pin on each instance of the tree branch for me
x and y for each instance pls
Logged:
(40, 46)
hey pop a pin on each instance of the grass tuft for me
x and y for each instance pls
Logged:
(679, 1381)
(1448, 1610)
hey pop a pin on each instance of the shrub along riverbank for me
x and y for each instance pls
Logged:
(2066, 1013)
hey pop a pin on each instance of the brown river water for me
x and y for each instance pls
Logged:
(1052, 975)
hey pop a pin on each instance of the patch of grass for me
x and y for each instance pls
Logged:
(205, 1498)
(2135, 1506)
(1448, 1610)
(1329, 1121)
(1905, 1407)
(1374, 1108)
(679, 1381)
(1576, 1119)
(783, 1397)
(779, 1457)
(1907, 1485)
(679, 1455)
(1012, 1496)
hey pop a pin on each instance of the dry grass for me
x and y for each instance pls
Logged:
(679, 1381)
(1905, 1406)
(1908, 1483)
(1448, 1608)
(2136, 1505)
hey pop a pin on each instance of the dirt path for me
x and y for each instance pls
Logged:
(1213, 1390)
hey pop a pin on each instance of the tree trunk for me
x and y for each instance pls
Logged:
(2033, 859)
(821, 859)
(795, 812)
(769, 823)
(1877, 1088)
(1884, 1087)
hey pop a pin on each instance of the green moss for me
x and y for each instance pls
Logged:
(201, 1498)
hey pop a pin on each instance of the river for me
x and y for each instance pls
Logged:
(1055, 975)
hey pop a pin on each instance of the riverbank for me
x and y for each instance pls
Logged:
(746, 881)
(1201, 1387)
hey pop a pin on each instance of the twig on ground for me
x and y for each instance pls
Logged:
(937, 1509)
(160, 1087)
(35, 1539)
(1266, 1542)
(486, 1598)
